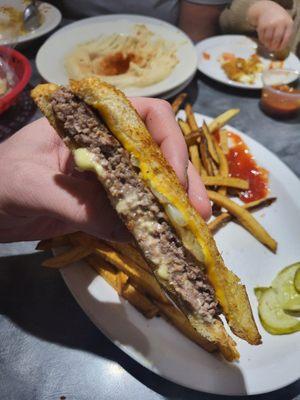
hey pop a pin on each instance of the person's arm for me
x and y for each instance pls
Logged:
(199, 21)
(272, 23)
(42, 195)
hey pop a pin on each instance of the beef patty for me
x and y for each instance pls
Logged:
(135, 203)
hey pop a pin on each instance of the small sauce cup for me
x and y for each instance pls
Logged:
(281, 93)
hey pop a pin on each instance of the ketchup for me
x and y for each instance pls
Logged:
(242, 165)
(284, 101)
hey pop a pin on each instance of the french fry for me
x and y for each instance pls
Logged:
(132, 253)
(176, 104)
(225, 217)
(143, 279)
(223, 166)
(222, 119)
(140, 301)
(210, 143)
(49, 244)
(190, 117)
(193, 150)
(129, 292)
(121, 279)
(224, 141)
(245, 218)
(69, 256)
(193, 137)
(206, 161)
(219, 180)
(126, 249)
(104, 269)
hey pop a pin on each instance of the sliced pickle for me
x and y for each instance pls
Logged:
(293, 305)
(272, 316)
(284, 285)
(259, 291)
(297, 280)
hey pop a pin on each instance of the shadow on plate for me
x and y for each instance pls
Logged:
(38, 301)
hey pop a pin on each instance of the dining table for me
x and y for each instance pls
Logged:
(49, 349)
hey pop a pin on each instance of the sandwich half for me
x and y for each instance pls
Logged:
(106, 135)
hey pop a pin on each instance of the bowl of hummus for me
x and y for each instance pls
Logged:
(139, 59)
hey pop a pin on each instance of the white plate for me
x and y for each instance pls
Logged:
(51, 18)
(178, 89)
(239, 45)
(161, 348)
(66, 39)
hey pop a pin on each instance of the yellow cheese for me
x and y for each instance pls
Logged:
(162, 271)
(85, 161)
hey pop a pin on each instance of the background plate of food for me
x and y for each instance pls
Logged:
(233, 60)
(115, 276)
(11, 21)
(142, 56)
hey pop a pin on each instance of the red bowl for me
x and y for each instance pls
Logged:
(21, 65)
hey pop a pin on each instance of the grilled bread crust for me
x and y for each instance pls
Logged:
(125, 124)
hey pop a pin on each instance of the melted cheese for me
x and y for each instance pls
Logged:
(85, 161)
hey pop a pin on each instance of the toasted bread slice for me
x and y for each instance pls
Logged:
(123, 121)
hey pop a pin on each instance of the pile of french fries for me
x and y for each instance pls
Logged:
(208, 155)
(123, 267)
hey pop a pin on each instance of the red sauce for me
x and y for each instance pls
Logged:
(116, 64)
(280, 103)
(206, 55)
(242, 165)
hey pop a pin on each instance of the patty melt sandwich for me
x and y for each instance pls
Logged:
(106, 135)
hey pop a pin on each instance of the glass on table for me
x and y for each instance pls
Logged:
(281, 93)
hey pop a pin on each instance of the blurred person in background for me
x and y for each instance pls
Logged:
(276, 23)
(198, 18)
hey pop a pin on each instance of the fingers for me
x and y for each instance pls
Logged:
(160, 120)
(286, 38)
(277, 37)
(197, 193)
(265, 36)
(161, 123)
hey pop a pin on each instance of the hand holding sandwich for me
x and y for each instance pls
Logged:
(41, 195)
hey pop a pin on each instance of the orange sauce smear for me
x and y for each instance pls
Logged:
(242, 165)
(206, 55)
